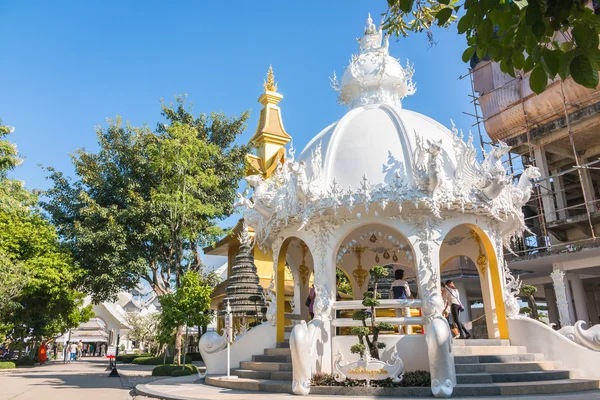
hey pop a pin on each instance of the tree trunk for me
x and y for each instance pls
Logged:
(177, 353)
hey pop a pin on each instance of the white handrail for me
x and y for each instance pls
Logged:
(340, 322)
(387, 303)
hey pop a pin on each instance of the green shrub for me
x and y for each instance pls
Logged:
(410, 379)
(157, 360)
(7, 365)
(128, 358)
(25, 362)
(174, 370)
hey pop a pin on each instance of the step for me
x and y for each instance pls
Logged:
(270, 375)
(525, 388)
(278, 352)
(264, 358)
(487, 350)
(498, 358)
(266, 366)
(504, 377)
(507, 367)
(283, 345)
(250, 384)
(480, 342)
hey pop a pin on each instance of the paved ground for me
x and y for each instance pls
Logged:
(192, 388)
(81, 380)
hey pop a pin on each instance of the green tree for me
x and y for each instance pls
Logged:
(546, 37)
(144, 329)
(369, 336)
(38, 294)
(528, 293)
(189, 305)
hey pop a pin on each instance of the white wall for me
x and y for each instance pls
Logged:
(412, 349)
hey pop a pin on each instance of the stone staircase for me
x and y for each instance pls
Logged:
(483, 367)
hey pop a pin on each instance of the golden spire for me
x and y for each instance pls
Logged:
(270, 84)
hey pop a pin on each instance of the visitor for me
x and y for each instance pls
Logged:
(73, 351)
(66, 353)
(102, 349)
(79, 350)
(401, 290)
(54, 351)
(456, 308)
(43, 353)
(93, 350)
(311, 305)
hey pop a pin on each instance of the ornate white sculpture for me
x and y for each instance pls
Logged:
(437, 330)
(211, 342)
(428, 169)
(368, 369)
(512, 288)
(558, 278)
(589, 338)
(524, 188)
(303, 341)
(271, 303)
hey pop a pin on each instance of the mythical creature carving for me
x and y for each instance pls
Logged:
(490, 178)
(393, 369)
(522, 192)
(589, 338)
(211, 342)
(271, 303)
(428, 169)
(303, 344)
(512, 287)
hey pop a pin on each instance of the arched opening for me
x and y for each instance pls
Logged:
(295, 267)
(467, 257)
(366, 247)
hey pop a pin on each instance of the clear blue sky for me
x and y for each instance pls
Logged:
(68, 65)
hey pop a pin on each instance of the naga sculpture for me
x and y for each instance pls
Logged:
(512, 287)
(522, 192)
(589, 338)
(428, 165)
(303, 345)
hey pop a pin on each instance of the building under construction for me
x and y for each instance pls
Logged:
(557, 131)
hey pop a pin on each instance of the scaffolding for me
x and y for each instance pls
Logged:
(548, 230)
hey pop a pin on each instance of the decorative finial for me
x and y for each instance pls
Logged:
(270, 84)
(244, 236)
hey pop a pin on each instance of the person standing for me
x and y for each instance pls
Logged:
(401, 291)
(456, 308)
(43, 353)
(73, 351)
(55, 351)
(311, 305)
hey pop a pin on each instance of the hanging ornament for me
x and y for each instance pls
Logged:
(386, 255)
(373, 238)
(395, 257)
(377, 258)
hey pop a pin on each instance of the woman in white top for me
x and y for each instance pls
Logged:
(453, 298)
(401, 290)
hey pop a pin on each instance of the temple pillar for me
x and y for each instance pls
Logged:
(462, 290)
(551, 303)
(578, 291)
(560, 290)
(592, 308)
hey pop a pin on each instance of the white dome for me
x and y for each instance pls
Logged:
(376, 140)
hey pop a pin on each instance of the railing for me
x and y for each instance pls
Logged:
(384, 304)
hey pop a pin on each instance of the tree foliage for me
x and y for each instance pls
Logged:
(528, 293)
(189, 305)
(39, 296)
(368, 335)
(544, 37)
(147, 201)
(144, 329)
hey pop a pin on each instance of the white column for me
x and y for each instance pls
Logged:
(561, 197)
(558, 278)
(579, 298)
(592, 308)
(547, 198)
(462, 290)
(551, 303)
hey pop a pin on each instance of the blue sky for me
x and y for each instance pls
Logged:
(68, 65)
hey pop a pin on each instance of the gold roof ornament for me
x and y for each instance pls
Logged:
(269, 84)
(270, 137)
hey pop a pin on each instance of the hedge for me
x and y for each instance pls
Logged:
(174, 370)
(25, 362)
(7, 365)
(157, 360)
(128, 358)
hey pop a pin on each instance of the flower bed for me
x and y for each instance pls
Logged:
(410, 379)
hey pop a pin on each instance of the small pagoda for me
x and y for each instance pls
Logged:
(244, 292)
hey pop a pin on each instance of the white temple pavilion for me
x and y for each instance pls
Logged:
(388, 186)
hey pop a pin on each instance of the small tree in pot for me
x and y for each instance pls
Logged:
(368, 335)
